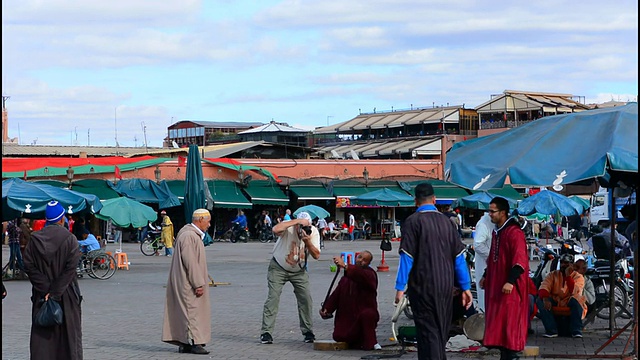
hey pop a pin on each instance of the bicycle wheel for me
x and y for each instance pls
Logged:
(263, 237)
(621, 300)
(148, 247)
(103, 266)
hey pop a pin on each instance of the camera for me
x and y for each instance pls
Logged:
(307, 230)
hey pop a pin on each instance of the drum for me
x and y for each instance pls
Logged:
(473, 327)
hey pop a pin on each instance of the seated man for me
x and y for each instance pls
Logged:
(355, 302)
(623, 248)
(562, 288)
(333, 233)
(88, 243)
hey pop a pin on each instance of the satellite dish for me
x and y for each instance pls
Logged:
(175, 144)
(354, 156)
(335, 155)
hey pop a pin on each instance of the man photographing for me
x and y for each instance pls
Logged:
(297, 239)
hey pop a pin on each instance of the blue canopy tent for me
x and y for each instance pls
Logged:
(146, 191)
(27, 199)
(579, 147)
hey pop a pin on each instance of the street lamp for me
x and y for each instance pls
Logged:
(157, 173)
(70, 175)
(365, 175)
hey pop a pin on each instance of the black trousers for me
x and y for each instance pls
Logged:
(432, 317)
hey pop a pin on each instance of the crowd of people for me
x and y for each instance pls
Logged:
(432, 273)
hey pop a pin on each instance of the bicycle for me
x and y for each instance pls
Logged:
(97, 264)
(151, 246)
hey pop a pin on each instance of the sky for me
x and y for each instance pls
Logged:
(93, 72)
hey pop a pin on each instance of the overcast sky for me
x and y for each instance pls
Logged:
(91, 71)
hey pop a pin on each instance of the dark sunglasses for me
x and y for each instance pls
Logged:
(493, 211)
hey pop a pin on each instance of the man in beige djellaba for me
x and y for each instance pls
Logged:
(187, 312)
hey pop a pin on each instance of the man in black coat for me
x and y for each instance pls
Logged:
(50, 260)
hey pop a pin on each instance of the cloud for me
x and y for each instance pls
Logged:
(68, 64)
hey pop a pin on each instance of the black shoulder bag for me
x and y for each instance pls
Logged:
(385, 245)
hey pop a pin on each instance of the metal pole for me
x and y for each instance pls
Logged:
(613, 213)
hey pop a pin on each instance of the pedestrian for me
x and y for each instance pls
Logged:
(505, 282)
(355, 303)
(482, 246)
(297, 239)
(167, 233)
(562, 288)
(459, 221)
(287, 215)
(352, 226)
(432, 263)
(15, 256)
(187, 312)
(78, 227)
(50, 260)
(25, 234)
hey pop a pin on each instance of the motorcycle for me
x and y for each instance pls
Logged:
(550, 259)
(237, 232)
(600, 276)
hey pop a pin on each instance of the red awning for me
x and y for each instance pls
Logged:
(22, 164)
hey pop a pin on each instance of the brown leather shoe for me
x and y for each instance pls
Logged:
(198, 349)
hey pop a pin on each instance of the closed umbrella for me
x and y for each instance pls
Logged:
(194, 193)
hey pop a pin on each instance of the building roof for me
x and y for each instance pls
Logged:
(511, 100)
(220, 124)
(15, 150)
(426, 145)
(393, 119)
(273, 127)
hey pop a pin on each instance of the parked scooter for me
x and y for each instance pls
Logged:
(623, 290)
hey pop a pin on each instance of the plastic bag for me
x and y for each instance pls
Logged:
(50, 314)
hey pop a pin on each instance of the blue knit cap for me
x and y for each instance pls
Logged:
(54, 212)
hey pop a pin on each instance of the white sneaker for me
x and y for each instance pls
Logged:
(377, 347)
